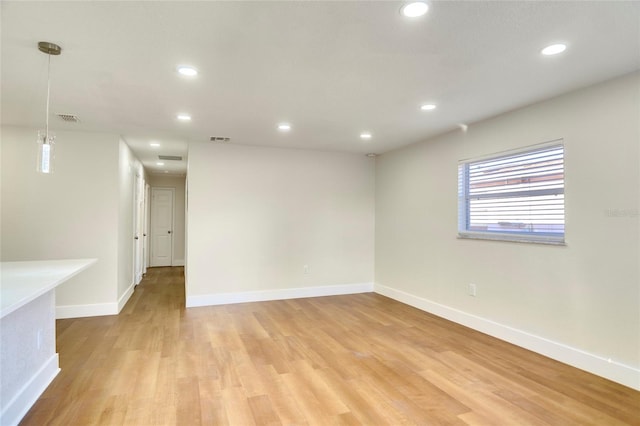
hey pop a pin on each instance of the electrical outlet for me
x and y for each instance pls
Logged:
(306, 269)
(472, 290)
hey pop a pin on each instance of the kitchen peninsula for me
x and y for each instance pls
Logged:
(28, 358)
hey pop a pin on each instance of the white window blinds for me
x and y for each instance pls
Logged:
(518, 196)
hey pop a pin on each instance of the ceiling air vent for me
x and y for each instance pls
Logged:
(170, 157)
(69, 117)
(220, 139)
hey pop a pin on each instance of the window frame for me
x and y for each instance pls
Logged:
(464, 214)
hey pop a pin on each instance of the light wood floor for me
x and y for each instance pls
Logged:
(357, 359)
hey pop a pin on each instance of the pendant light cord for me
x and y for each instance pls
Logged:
(48, 94)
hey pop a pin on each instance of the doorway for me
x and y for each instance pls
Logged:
(138, 226)
(145, 227)
(162, 200)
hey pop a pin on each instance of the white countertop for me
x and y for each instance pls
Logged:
(22, 282)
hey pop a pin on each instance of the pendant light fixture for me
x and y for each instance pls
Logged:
(46, 139)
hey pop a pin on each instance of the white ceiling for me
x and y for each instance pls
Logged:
(331, 69)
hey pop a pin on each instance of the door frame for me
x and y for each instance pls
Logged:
(145, 228)
(138, 209)
(173, 220)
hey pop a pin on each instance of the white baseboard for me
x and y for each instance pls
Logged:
(19, 405)
(96, 309)
(92, 310)
(125, 297)
(177, 262)
(279, 294)
(595, 364)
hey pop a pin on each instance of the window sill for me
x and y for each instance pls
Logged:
(512, 239)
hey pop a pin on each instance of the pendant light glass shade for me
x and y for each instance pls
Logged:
(46, 151)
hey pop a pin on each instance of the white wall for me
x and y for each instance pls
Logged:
(179, 183)
(72, 213)
(579, 303)
(257, 215)
(83, 210)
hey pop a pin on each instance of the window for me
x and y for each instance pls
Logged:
(517, 196)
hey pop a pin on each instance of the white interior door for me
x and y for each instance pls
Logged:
(161, 226)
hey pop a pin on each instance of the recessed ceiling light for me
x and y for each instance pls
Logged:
(187, 71)
(285, 127)
(428, 107)
(415, 9)
(154, 144)
(184, 117)
(554, 49)
(159, 163)
(365, 135)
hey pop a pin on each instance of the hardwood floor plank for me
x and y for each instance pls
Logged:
(114, 410)
(225, 367)
(237, 407)
(309, 405)
(188, 401)
(250, 380)
(278, 353)
(281, 399)
(166, 381)
(347, 419)
(473, 418)
(364, 402)
(482, 401)
(529, 405)
(343, 360)
(212, 410)
(321, 391)
(263, 412)
(394, 389)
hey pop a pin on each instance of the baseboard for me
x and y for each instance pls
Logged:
(92, 310)
(598, 365)
(125, 297)
(279, 294)
(177, 262)
(20, 404)
(96, 309)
